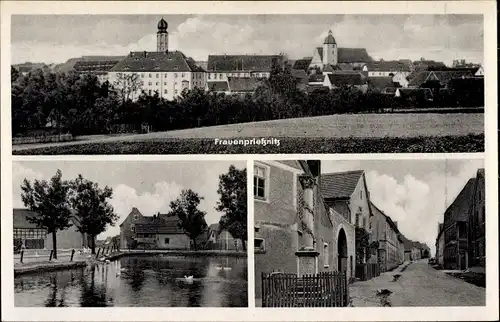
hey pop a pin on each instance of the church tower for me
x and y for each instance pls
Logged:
(162, 36)
(330, 50)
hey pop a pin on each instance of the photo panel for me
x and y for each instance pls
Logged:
(370, 233)
(130, 234)
(164, 84)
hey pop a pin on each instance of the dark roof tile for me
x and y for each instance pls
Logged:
(250, 63)
(340, 185)
(340, 79)
(172, 61)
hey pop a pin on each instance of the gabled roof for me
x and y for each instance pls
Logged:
(387, 218)
(340, 79)
(143, 61)
(381, 82)
(159, 225)
(349, 55)
(302, 64)
(231, 63)
(340, 185)
(331, 68)
(94, 66)
(406, 92)
(389, 66)
(316, 78)
(243, 84)
(217, 86)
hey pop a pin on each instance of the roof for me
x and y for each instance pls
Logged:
(420, 65)
(302, 64)
(159, 225)
(316, 78)
(405, 92)
(346, 78)
(243, 84)
(387, 218)
(229, 63)
(317, 89)
(340, 185)
(331, 68)
(144, 61)
(95, 66)
(349, 55)
(214, 227)
(20, 218)
(70, 63)
(217, 86)
(381, 82)
(459, 208)
(389, 66)
(416, 79)
(329, 39)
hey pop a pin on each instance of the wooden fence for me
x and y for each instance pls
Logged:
(367, 271)
(327, 289)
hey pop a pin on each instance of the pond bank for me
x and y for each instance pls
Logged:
(202, 253)
(30, 268)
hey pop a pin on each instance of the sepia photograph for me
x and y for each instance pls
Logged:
(130, 234)
(385, 233)
(195, 84)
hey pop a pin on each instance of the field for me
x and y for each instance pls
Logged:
(351, 133)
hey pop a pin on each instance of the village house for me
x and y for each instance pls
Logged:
(34, 237)
(442, 77)
(476, 223)
(159, 231)
(165, 72)
(455, 229)
(347, 194)
(295, 231)
(388, 68)
(350, 79)
(222, 239)
(234, 85)
(440, 246)
(220, 67)
(386, 233)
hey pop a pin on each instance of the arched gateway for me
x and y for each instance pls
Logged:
(342, 251)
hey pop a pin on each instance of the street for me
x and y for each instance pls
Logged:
(418, 285)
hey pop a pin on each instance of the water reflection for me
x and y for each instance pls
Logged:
(140, 281)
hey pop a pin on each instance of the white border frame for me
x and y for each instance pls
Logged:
(487, 8)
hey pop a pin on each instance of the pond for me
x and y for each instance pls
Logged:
(143, 281)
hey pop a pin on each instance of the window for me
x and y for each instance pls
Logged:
(257, 229)
(183, 74)
(259, 182)
(361, 194)
(150, 75)
(142, 83)
(157, 83)
(132, 228)
(357, 220)
(136, 217)
(166, 74)
(165, 83)
(325, 255)
(175, 75)
(150, 93)
(208, 76)
(176, 91)
(220, 76)
(165, 91)
(142, 75)
(167, 240)
(150, 83)
(259, 244)
(364, 223)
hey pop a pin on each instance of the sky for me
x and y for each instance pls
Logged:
(56, 38)
(413, 193)
(149, 186)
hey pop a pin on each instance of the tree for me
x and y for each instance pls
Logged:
(92, 212)
(49, 200)
(192, 220)
(126, 85)
(233, 203)
(14, 74)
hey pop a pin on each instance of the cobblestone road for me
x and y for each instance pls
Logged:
(419, 285)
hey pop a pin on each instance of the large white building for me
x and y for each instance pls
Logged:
(166, 72)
